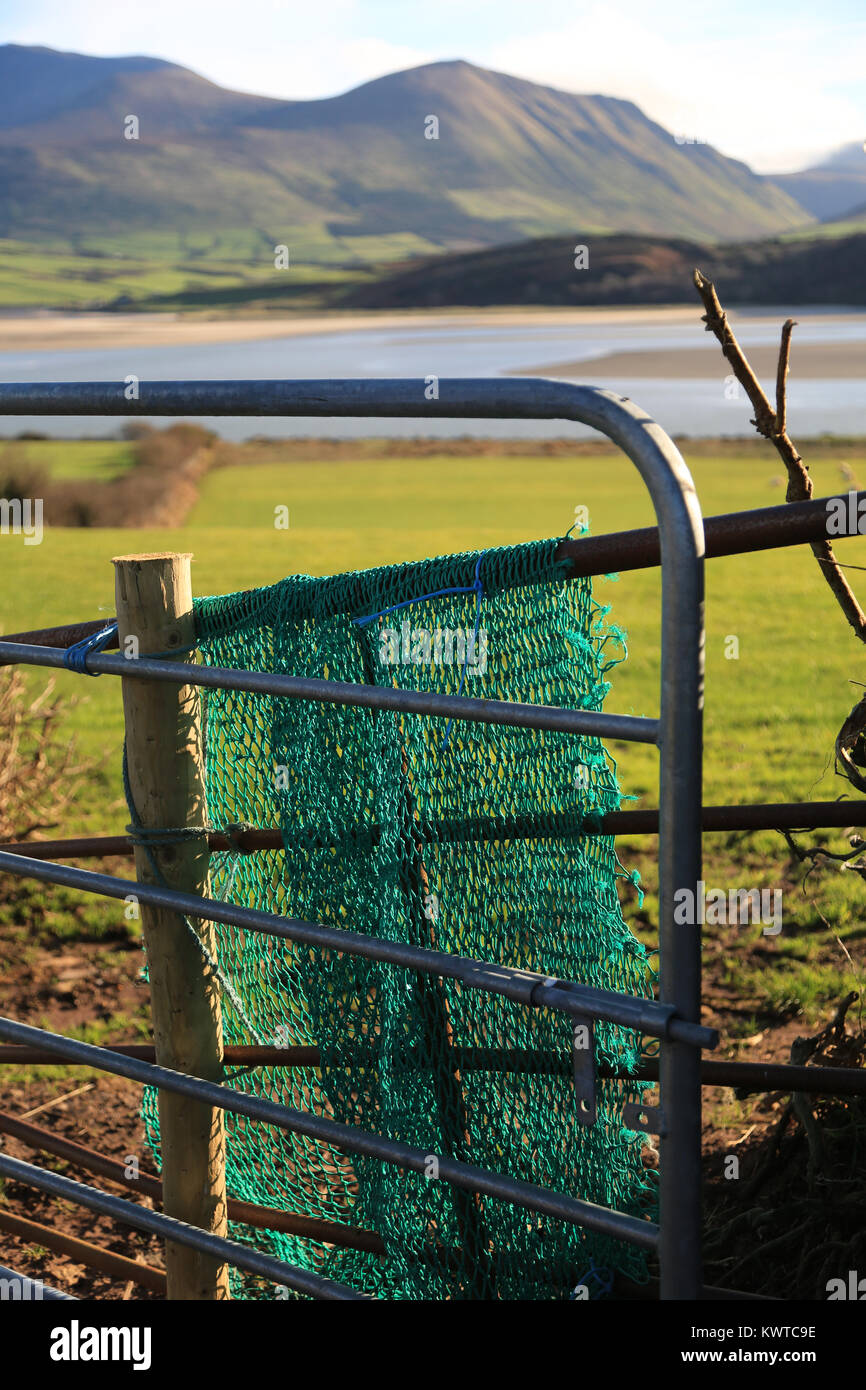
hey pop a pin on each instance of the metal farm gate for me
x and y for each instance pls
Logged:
(674, 1019)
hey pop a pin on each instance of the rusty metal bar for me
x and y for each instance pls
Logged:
(120, 846)
(746, 1076)
(63, 636)
(83, 1251)
(262, 1218)
(730, 533)
(767, 1076)
(783, 815)
(236, 1054)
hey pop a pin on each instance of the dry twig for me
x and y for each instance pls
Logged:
(772, 424)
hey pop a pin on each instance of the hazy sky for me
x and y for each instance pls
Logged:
(775, 82)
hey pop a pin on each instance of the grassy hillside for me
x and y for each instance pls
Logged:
(511, 159)
(627, 270)
(235, 273)
(165, 272)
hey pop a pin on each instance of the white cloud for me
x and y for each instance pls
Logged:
(276, 47)
(722, 87)
(369, 58)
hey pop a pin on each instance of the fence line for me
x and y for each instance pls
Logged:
(745, 1076)
(782, 815)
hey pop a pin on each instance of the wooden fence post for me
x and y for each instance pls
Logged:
(166, 775)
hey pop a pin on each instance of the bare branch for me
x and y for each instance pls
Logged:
(782, 375)
(765, 421)
(772, 426)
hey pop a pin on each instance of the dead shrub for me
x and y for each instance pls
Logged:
(19, 479)
(158, 490)
(40, 770)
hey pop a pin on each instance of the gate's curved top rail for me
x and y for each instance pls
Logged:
(519, 398)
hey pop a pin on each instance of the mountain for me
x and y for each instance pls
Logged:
(51, 98)
(626, 270)
(832, 189)
(351, 177)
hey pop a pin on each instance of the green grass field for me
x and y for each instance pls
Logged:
(771, 715)
(170, 271)
(232, 271)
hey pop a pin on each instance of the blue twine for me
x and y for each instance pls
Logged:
(476, 588)
(601, 1275)
(75, 657)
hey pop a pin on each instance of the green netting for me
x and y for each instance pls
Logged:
(465, 839)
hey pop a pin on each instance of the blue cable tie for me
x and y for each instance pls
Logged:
(75, 657)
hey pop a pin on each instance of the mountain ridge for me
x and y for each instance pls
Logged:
(833, 189)
(513, 159)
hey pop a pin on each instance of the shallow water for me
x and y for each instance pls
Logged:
(446, 348)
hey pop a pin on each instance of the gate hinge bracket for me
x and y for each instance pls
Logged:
(583, 1053)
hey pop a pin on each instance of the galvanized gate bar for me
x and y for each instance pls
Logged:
(682, 646)
(26, 1285)
(253, 1261)
(567, 721)
(523, 986)
(633, 728)
(349, 1137)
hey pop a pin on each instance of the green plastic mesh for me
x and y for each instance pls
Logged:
(465, 838)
